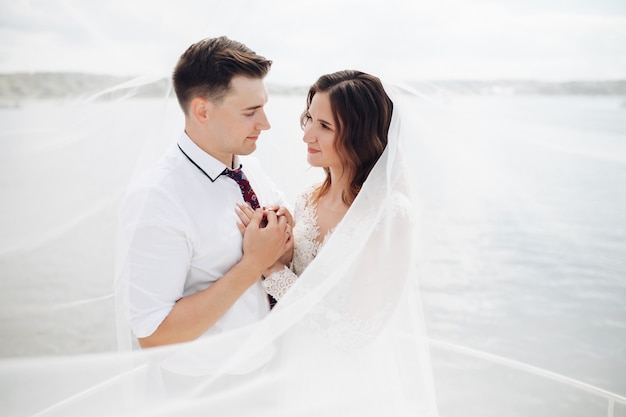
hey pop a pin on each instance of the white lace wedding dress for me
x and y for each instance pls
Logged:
(307, 243)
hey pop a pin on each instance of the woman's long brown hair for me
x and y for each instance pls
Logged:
(362, 111)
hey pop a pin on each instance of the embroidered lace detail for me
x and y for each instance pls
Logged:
(401, 205)
(349, 323)
(306, 232)
(306, 245)
(351, 316)
(278, 282)
(348, 329)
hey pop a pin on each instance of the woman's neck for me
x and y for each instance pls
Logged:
(333, 199)
(330, 208)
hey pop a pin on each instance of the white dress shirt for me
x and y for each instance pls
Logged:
(182, 236)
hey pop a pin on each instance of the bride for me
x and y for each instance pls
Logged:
(345, 125)
(353, 245)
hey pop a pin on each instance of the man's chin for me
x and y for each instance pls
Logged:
(248, 149)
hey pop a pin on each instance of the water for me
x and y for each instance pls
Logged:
(527, 243)
(524, 222)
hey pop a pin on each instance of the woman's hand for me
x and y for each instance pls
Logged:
(245, 213)
(283, 211)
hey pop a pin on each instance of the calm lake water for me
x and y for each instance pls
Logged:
(524, 223)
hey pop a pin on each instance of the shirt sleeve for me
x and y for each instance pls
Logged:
(157, 258)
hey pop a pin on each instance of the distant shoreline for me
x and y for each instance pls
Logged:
(16, 87)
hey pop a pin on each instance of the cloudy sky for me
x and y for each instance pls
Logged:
(407, 39)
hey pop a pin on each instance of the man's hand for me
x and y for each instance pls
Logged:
(265, 245)
(245, 213)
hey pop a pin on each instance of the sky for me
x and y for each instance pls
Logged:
(553, 40)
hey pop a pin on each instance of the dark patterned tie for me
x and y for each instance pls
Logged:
(246, 190)
(249, 197)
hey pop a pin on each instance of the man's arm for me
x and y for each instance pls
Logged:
(193, 315)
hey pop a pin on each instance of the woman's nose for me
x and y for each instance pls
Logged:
(308, 136)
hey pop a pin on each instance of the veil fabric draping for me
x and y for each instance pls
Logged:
(350, 338)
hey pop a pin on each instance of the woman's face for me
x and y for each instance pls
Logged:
(320, 133)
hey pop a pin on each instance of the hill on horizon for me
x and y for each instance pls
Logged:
(42, 86)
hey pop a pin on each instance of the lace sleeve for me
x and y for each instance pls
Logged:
(279, 282)
(304, 251)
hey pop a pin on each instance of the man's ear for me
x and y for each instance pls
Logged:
(200, 109)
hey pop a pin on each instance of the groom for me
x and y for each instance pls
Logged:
(188, 269)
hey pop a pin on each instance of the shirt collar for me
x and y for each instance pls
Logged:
(211, 166)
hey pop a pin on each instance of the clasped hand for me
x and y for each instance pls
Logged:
(267, 235)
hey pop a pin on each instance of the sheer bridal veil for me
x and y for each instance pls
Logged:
(451, 233)
(348, 339)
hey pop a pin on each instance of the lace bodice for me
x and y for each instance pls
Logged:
(306, 245)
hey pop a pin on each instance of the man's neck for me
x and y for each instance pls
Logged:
(227, 159)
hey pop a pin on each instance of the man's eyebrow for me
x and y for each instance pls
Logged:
(253, 107)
